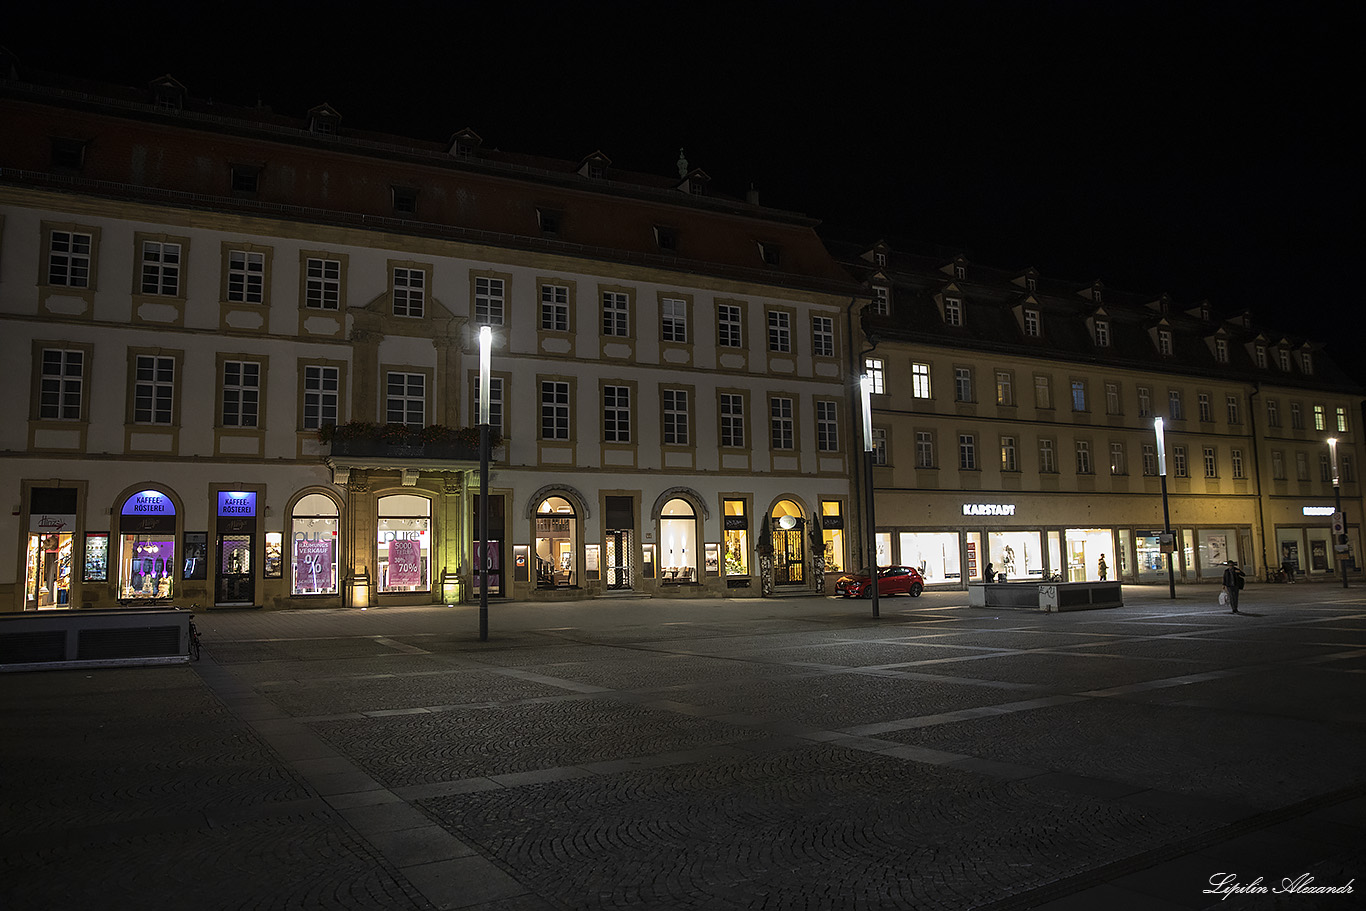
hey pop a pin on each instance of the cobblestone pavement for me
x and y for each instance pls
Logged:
(792, 753)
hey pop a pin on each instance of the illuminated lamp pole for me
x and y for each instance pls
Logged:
(1166, 511)
(866, 392)
(485, 343)
(1339, 539)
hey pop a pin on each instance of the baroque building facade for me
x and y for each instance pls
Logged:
(1014, 425)
(242, 355)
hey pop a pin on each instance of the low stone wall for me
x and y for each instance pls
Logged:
(1046, 596)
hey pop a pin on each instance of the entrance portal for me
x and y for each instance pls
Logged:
(789, 544)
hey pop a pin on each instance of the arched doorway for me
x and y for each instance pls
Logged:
(678, 548)
(556, 543)
(789, 543)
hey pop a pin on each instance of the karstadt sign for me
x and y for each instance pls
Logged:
(988, 509)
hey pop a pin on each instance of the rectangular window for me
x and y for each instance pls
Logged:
(555, 308)
(675, 402)
(1078, 395)
(160, 268)
(872, 367)
(1277, 465)
(1273, 413)
(488, 301)
(1236, 456)
(154, 389)
(1164, 342)
(728, 333)
(1112, 398)
(953, 311)
(1102, 333)
(246, 277)
(962, 384)
(1174, 404)
(322, 392)
(62, 385)
(1008, 460)
(68, 260)
(736, 538)
(1348, 472)
(1221, 350)
(1005, 391)
(920, 380)
(1179, 461)
(322, 284)
(882, 300)
(1319, 423)
(879, 446)
(405, 398)
(1296, 417)
(1211, 462)
(616, 314)
(410, 292)
(1048, 462)
(1301, 466)
(1307, 363)
(1043, 392)
(924, 449)
(822, 336)
(495, 401)
(673, 320)
(781, 423)
(1206, 411)
(554, 410)
(616, 414)
(1325, 468)
(1149, 460)
(779, 331)
(1031, 323)
(241, 393)
(1283, 355)
(1083, 457)
(1117, 466)
(967, 452)
(732, 420)
(1145, 402)
(1261, 356)
(1233, 415)
(1342, 420)
(827, 427)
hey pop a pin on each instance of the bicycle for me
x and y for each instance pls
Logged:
(194, 645)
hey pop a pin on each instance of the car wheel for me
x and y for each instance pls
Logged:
(916, 589)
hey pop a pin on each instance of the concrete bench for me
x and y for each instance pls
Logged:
(72, 638)
(1045, 596)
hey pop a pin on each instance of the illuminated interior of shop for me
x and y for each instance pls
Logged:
(404, 543)
(678, 550)
(49, 570)
(935, 554)
(314, 534)
(555, 543)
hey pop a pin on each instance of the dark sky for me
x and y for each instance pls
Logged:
(1204, 149)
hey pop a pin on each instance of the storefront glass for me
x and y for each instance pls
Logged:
(1086, 548)
(736, 541)
(1018, 554)
(976, 565)
(1217, 546)
(1290, 547)
(1152, 562)
(49, 570)
(1321, 557)
(1122, 551)
(147, 552)
(1055, 554)
(936, 554)
(555, 543)
(832, 524)
(1187, 564)
(678, 541)
(404, 543)
(314, 531)
(884, 548)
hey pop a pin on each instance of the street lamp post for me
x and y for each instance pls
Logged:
(1166, 510)
(866, 392)
(485, 343)
(1339, 538)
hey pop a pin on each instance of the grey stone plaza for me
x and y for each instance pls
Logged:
(791, 753)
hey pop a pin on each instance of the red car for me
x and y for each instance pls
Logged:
(891, 580)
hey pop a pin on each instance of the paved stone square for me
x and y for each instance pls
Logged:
(790, 753)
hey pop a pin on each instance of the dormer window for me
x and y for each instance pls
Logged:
(697, 188)
(323, 120)
(1031, 284)
(953, 311)
(666, 238)
(1260, 355)
(1306, 362)
(1284, 354)
(1102, 333)
(1164, 342)
(465, 144)
(405, 200)
(882, 300)
(880, 259)
(549, 221)
(168, 95)
(1097, 295)
(68, 154)
(245, 178)
(771, 254)
(597, 170)
(960, 271)
(1221, 350)
(1031, 324)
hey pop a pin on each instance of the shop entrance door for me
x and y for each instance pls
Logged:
(236, 583)
(618, 559)
(789, 555)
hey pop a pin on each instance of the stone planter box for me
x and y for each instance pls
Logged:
(1046, 596)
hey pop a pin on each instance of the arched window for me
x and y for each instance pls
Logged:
(313, 537)
(556, 542)
(678, 547)
(147, 535)
(404, 543)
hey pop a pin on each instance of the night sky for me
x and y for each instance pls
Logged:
(1204, 149)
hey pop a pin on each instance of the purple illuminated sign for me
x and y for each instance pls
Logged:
(148, 503)
(236, 504)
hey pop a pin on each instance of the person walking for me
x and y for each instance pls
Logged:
(1233, 583)
(1101, 567)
